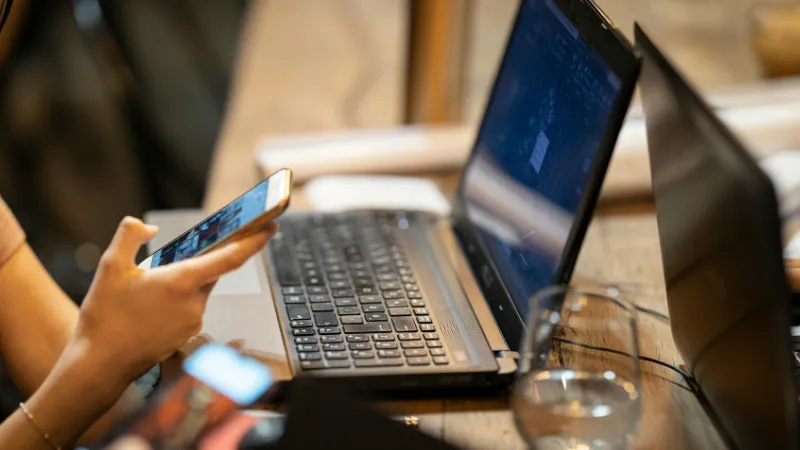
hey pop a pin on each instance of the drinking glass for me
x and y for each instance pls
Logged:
(578, 386)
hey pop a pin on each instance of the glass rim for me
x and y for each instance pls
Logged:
(593, 292)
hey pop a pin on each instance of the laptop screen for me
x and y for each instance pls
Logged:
(535, 150)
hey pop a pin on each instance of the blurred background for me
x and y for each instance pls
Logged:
(114, 107)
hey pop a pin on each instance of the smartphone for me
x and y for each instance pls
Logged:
(217, 381)
(247, 214)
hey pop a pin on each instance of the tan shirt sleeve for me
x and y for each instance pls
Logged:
(11, 235)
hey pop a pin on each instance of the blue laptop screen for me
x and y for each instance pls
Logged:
(536, 147)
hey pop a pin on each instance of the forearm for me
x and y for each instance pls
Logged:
(36, 319)
(75, 395)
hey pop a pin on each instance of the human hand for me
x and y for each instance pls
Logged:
(132, 318)
(793, 272)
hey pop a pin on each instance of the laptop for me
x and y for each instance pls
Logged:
(719, 231)
(391, 300)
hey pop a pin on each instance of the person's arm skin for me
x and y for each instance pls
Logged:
(130, 320)
(36, 321)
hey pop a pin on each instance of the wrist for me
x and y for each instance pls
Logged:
(94, 372)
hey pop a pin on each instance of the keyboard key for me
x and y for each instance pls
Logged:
(399, 312)
(407, 279)
(415, 352)
(345, 302)
(333, 347)
(298, 312)
(363, 354)
(390, 286)
(377, 308)
(430, 336)
(414, 294)
(396, 303)
(386, 345)
(313, 273)
(352, 320)
(427, 327)
(303, 332)
(314, 281)
(312, 356)
(389, 353)
(376, 317)
(435, 344)
(308, 348)
(360, 346)
(319, 298)
(366, 290)
(292, 290)
(383, 337)
(366, 363)
(294, 299)
(387, 277)
(335, 268)
(369, 299)
(437, 352)
(349, 311)
(301, 324)
(326, 319)
(374, 327)
(316, 290)
(331, 339)
(305, 340)
(424, 319)
(405, 271)
(362, 274)
(417, 303)
(421, 311)
(408, 336)
(321, 307)
(363, 282)
(340, 293)
(410, 287)
(393, 294)
(357, 338)
(412, 344)
(338, 276)
(329, 330)
(336, 355)
(404, 324)
(418, 361)
(340, 285)
(312, 365)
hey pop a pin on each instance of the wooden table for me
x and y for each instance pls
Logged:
(621, 245)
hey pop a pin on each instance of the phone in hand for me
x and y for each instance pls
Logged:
(217, 381)
(248, 214)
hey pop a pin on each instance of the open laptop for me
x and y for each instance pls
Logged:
(393, 300)
(719, 229)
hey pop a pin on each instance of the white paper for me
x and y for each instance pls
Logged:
(342, 193)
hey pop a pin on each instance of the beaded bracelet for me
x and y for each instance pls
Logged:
(45, 436)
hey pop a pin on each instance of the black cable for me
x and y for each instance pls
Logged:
(652, 312)
(677, 369)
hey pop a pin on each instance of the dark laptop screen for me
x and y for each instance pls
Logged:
(535, 150)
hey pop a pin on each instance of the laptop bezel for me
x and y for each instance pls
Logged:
(597, 30)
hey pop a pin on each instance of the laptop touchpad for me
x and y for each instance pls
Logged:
(241, 305)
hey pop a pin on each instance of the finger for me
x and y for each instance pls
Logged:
(207, 268)
(129, 443)
(236, 344)
(130, 236)
(794, 278)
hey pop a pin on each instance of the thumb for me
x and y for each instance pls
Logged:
(130, 236)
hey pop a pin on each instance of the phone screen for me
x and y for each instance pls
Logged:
(217, 381)
(225, 222)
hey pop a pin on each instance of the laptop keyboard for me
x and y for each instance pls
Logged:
(350, 294)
